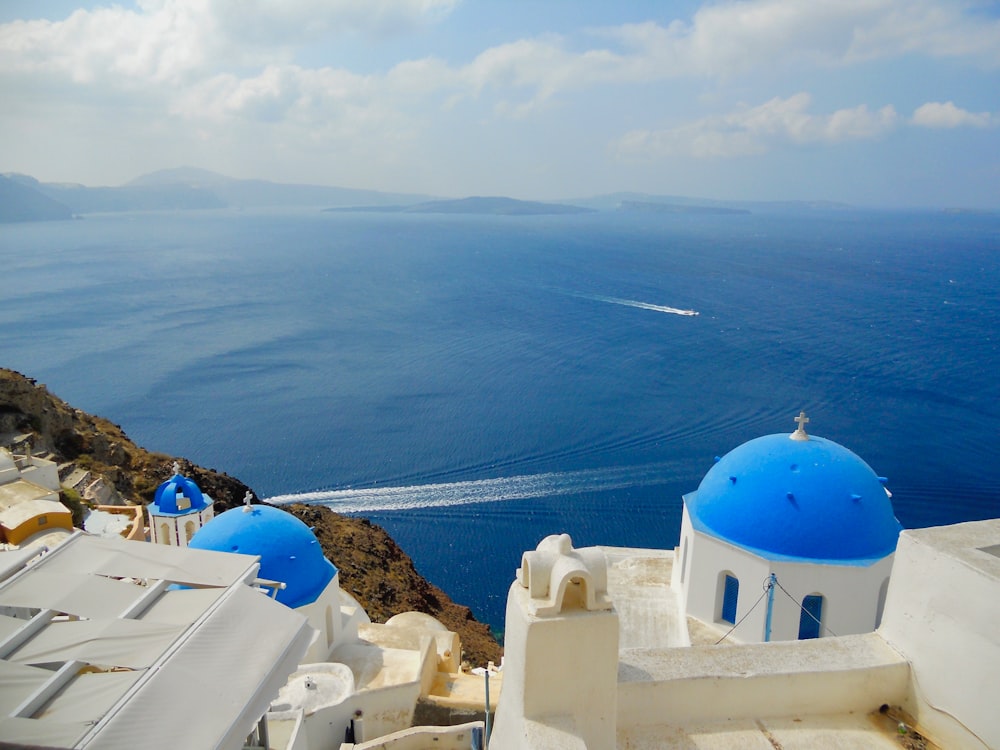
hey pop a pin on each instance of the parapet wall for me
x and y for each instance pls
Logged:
(942, 613)
(417, 738)
(707, 683)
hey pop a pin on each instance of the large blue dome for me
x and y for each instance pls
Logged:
(178, 496)
(806, 499)
(289, 552)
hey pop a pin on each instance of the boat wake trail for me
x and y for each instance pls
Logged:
(495, 490)
(638, 304)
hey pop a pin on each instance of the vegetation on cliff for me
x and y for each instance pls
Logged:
(372, 566)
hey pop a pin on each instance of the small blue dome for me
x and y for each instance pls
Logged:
(177, 496)
(806, 499)
(289, 551)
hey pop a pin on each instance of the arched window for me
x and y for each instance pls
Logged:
(189, 531)
(164, 534)
(811, 617)
(728, 598)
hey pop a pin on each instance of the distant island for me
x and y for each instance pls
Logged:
(476, 205)
(650, 207)
(25, 198)
(20, 202)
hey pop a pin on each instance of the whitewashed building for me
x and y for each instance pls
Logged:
(178, 510)
(788, 536)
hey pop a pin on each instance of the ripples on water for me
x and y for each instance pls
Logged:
(475, 383)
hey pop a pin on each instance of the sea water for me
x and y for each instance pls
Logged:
(474, 383)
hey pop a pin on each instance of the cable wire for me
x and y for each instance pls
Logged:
(767, 587)
(803, 609)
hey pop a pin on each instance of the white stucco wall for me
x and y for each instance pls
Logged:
(458, 737)
(42, 472)
(325, 616)
(943, 614)
(708, 683)
(560, 674)
(330, 697)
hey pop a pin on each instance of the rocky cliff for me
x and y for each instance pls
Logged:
(103, 464)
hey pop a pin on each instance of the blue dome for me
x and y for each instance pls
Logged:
(289, 552)
(808, 499)
(165, 501)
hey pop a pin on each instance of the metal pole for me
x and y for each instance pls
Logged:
(771, 582)
(486, 739)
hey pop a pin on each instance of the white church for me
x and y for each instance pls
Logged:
(794, 613)
(791, 537)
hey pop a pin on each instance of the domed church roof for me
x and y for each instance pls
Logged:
(289, 551)
(798, 497)
(177, 496)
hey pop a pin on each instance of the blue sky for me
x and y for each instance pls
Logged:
(872, 102)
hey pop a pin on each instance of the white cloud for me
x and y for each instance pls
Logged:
(269, 22)
(756, 130)
(110, 45)
(168, 40)
(727, 40)
(730, 37)
(946, 115)
(242, 72)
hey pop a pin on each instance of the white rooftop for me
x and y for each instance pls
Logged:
(100, 649)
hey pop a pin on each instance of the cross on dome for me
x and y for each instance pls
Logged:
(800, 431)
(177, 468)
(247, 501)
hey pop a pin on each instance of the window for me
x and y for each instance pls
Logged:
(164, 534)
(811, 617)
(189, 530)
(730, 596)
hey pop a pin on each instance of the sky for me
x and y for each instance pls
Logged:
(886, 103)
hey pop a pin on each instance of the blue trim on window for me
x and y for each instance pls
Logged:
(808, 626)
(729, 598)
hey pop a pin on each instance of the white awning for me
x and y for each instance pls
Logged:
(212, 691)
(112, 643)
(40, 734)
(16, 682)
(87, 698)
(9, 626)
(72, 592)
(181, 607)
(117, 558)
(148, 666)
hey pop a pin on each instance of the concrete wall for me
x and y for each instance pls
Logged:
(458, 737)
(32, 517)
(707, 683)
(382, 711)
(557, 669)
(943, 614)
(42, 472)
(325, 617)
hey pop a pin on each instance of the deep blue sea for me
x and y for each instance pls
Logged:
(475, 383)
